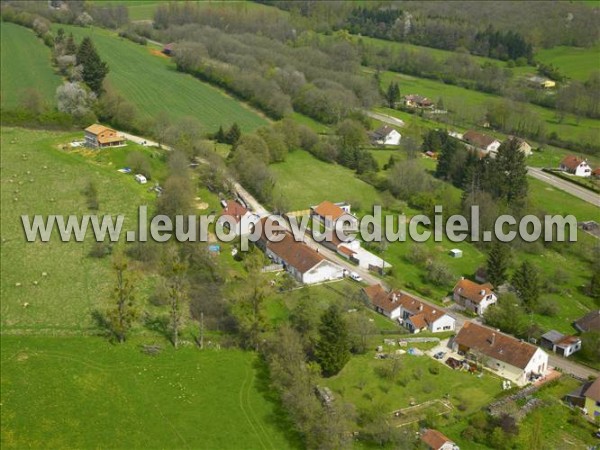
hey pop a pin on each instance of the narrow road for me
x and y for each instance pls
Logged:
(390, 120)
(571, 367)
(579, 192)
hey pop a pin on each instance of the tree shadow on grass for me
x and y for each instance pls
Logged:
(279, 416)
(103, 325)
(158, 324)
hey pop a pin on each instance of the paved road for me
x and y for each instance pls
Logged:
(563, 185)
(385, 118)
(571, 367)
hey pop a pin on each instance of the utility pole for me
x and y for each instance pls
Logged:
(201, 330)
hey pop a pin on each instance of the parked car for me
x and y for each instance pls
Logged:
(355, 276)
(439, 355)
(141, 178)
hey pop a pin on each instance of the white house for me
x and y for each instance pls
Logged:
(413, 314)
(474, 296)
(435, 440)
(511, 358)
(575, 166)
(560, 344)
(329, 213)
(483, 142)
(386, 135)
(237, 216)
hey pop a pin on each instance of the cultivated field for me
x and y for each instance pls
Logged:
(83, 392)
(149, 80)
(25, 65)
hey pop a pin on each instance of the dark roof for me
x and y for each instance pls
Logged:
(382, 132)
(495, 344)
(593, 391)
(589, 322)
(553, 336)
(478, 139)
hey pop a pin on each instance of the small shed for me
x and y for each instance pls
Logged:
(456, 253)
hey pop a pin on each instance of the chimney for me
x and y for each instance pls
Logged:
(482, 292)
(462, 278)
(421, 307)
(493, 339)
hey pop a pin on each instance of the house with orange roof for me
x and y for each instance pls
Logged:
(474, 296)
(575, 166)
(413, 314)
(435, 440)
(99, 136)
(329, 214)
(560, 344)
(237, 218)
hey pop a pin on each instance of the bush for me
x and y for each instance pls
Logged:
(100, 249)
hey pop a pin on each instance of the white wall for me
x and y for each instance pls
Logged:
(323, 271)
(444, 321)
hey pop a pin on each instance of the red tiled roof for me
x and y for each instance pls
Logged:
(346, 251)
(235, 210)
(496, 345)
(473, 291)
(329, 209)
(434, 439)
(571, 162)
(478, 139)
(295, 254)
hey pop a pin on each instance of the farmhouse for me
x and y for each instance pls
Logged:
(237, 216)
(473, 296)
(417, 101)
(483, 142)
(299, 260)
(329, 214)
(99, 136)
(589, 322)
(575, 166)
(434, 440)
(511, 358)
(386, 135)
(413, 314)
(523, 145)
(560, 344)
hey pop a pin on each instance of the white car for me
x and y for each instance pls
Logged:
(355, 276)
(141, 178)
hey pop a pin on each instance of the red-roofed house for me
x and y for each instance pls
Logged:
(510, 357)
(574, 165)
(487, 144)
(559, 343)
(99, 136)
(474, 296)
(238, 218)
(415, 315)
(329, 213)
(434, 440)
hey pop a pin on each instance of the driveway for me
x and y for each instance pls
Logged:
(571, 367)
(579, 192)
(390, 120)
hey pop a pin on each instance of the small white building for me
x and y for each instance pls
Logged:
(386, 135)
(509, 357)
(575, 166)
(474, 296)
(560, 344)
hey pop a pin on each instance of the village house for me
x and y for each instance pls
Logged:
(417, 101)
(385, 135)
(413, 314)
(350, 248)
(236, 215)
(474, 296)
(575, 166)
(483, 142)
(329, 214)
(589, 322)
(511, 358)
(560, 344)
(99, 136)
(587, 397)
(435, 440)
(522, 145)
(303, 263)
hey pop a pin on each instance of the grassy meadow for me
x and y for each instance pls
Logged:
(148, 79)
(25, 65)
(575, 62)
(82, 392)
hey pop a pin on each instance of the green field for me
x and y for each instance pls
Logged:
(574, 62)
(305, 181)
(149, 80)
(83, 392)
(25, 65)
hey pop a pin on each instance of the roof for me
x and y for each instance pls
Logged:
(589, 322)
(571, 162)
(295, 254)
(382, 131)
(593, 391)
(346, 251)
(596, 171)
(478, 139)
(97, 129)
(495, 345)
(418, 99)
(418, 320)
(567, 341)
(329, 209)
(434, 439)
(553, 336)
(473, 291)
(235, 210)
(429, 313)
(381, 298)
(111, 138)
